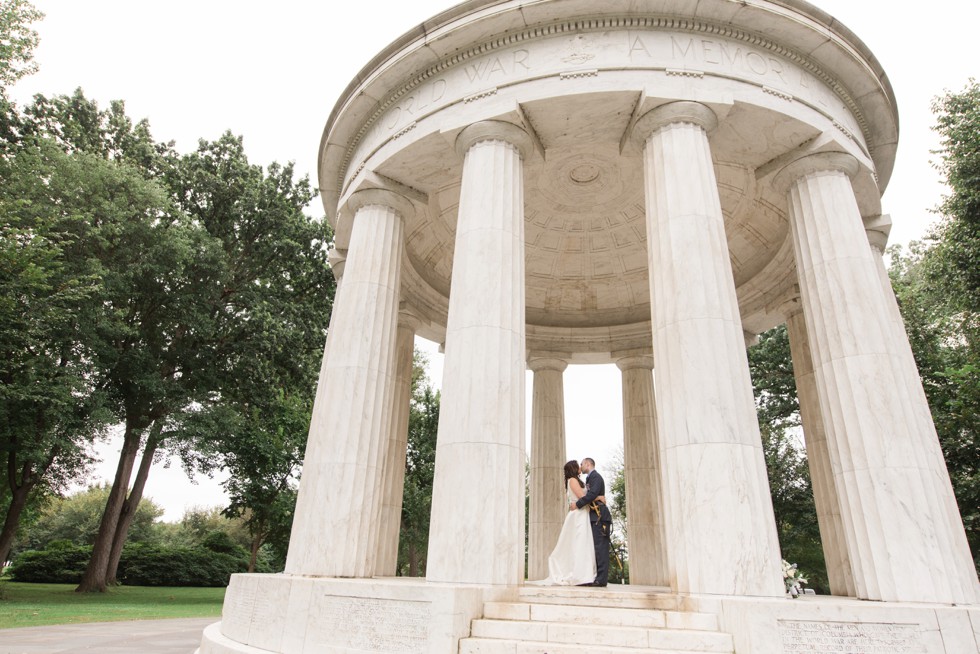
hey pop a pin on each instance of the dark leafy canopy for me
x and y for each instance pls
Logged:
(938, 288)
(271, 309)
(52, 401)
(955, 261)
(213, 293)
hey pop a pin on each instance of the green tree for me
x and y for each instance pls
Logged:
(952, 288)
(51, 403)
(17, 40)
(214, 286)
(262, 449)
(420, 467)
(953, 264)
(198, 523)
(76, 518)
(269, 329)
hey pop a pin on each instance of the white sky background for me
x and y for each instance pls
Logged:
(272, 72)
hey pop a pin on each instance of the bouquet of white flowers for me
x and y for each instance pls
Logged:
(793, 579)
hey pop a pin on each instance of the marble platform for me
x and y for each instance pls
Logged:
(295, 615)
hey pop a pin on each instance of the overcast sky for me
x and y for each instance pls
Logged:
(272, 72)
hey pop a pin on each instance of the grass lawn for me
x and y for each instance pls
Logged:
(35, 605)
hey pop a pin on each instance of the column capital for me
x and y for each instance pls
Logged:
(878, 229)
(338, 261)
(814, 163)
(682, 111)
(408, 318)
(494, 130)
(381, 197)
(790, 305)
(536, 363)
(635, 361)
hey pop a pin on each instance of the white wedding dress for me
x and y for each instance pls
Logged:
(572, 562)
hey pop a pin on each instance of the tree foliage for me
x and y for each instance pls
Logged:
(954, 260)
(201, 289)
(420, 467)
(76, 518)
(937, 284)
(17, 40)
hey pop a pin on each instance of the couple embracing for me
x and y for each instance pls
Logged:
(581, 557)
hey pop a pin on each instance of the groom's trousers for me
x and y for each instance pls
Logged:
(600, 538)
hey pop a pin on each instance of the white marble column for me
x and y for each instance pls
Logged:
(644, 490)
(338, 510)
(394, 470)
(818, 456)
(948, 515)
(548, 506)
(721, 532)
(899, 542)
(476, 534)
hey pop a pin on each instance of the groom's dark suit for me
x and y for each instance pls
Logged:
(601, 525)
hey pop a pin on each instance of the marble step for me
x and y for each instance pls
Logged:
(495, 646)
(599, 615)
(591, 635)
(610, 596)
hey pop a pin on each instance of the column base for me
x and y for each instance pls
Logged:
(289, 613)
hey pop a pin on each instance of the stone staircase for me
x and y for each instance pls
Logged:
(611, 620)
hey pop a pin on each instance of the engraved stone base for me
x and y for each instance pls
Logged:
(834, 625)
(292, 614)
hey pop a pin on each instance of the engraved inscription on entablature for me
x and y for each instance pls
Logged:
(615, 50)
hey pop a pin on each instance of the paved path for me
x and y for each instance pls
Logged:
(135, 637)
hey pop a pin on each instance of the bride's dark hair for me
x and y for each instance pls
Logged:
(571, 472)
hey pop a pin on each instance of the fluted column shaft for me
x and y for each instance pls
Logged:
(721, 532)
(476, 533)
(818, 457)
(644, 488)
(895, 522)
(394, 471)
(548, 505)
(338, 510)
(952, 537)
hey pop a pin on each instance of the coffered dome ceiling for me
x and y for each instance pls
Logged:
(585, 232)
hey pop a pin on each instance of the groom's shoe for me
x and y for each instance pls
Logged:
(591, 583)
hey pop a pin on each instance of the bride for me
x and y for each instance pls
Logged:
(572, 562)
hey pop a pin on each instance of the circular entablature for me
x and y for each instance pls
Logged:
(577, 86)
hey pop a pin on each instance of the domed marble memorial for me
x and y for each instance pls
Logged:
(535, 183)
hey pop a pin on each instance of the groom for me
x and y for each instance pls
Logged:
(600, 518)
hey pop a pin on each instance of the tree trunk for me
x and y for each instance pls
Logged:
(94, 578)
(129, 507)
(256, 544)
(413, 561)
(18, 500)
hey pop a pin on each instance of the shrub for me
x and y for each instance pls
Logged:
(140, 565)
(62, 563)
(220, 541)
(149, 565)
